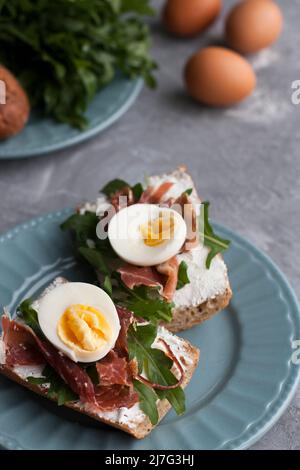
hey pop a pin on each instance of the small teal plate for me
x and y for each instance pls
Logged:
(42, 135)
(244, 381)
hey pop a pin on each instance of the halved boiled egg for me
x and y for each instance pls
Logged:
(80, 320)
(146, 234)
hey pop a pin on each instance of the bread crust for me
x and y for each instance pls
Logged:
(185, 318)
(142, 429)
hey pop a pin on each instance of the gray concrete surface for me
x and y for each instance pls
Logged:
(245, 160)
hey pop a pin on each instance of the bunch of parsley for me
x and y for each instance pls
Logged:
(65, 51)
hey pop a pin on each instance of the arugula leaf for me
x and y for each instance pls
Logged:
(65, 51)
(36, 380)
(211, 239)
(94, 258)
(140, 6)
(145, 302)
(30, 316)
(137, 190)
(107, 285)
(147, 401)
(154, 363)
(189, 191)
(113, 186)
(83, 226)
(183, 277)
(58, 389)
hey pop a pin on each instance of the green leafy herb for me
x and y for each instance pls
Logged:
(83, 226)
(147, 400)
(58, 390)
(36, 380)
(65, 51)
(94, 258)
(183, 277)
(137, 190)
(145, 302)
(189, 191)
(30, 316)
(113, 186)
(107, 285)
(117, 185)
(140, 6)
(211, 239)
(155, 364)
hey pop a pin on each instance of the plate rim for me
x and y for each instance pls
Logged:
(250, 436)
(131, 96)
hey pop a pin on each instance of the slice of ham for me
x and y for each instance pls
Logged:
(136, 276)
(187, 210)
(126, 318)
(164, 276)
(20, 347)
(154, 195)
(114, 370)
(114, 397)
(76, 377)
(170, 270)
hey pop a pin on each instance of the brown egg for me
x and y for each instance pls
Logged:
(253, 25)
(219, 77)
(189, 17)
(15, 111)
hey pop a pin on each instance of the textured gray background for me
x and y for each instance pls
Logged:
(245, 160)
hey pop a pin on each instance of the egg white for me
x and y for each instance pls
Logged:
(54, 304)
(126, 239)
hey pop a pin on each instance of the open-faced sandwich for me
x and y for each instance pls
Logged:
(154, 250)
(77, 347)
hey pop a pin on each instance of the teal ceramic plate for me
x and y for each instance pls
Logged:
(42, 135)
(245, 377)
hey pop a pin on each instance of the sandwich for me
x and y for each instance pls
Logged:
(154, 250)
(75, 346)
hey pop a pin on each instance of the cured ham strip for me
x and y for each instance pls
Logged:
(170, 270)
(189, 214)
(20, 347)
(115, 397)
(76, 377)
(154, 195)
(113, 370)
(135, 276)
(126, 318)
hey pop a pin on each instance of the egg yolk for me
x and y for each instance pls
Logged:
(83, 327)
(157, 231)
